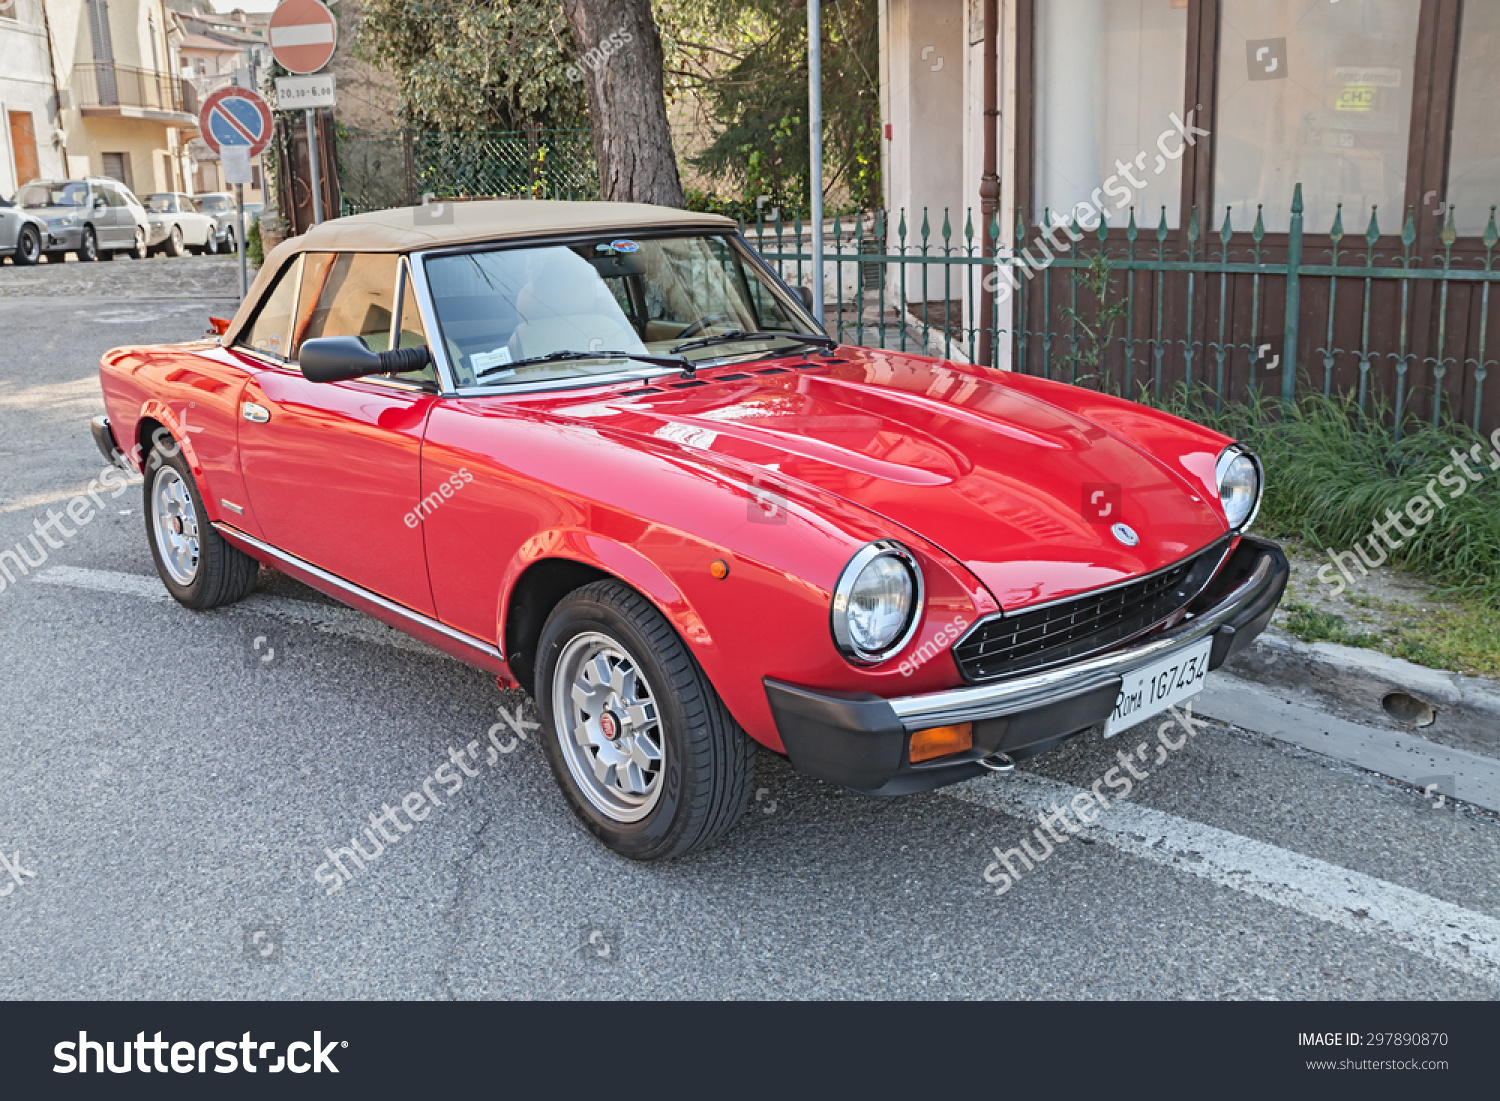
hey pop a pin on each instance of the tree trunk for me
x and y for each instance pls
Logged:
(620, 63)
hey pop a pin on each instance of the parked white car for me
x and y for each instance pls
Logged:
(177, 225)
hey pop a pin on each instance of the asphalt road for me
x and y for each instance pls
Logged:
(170, 780)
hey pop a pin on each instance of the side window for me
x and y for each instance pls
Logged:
(269, 332)
(113, 196)
(347, 294)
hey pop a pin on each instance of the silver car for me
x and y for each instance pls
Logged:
(177, 225)
(219, 205)
(93, 217)
(22, 235)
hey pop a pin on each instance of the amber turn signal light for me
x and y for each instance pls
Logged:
(939, 741)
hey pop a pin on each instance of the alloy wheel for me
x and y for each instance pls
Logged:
(175, 523)
(609, 727)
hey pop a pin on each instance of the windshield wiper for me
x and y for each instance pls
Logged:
(565, 355)
(735, 335)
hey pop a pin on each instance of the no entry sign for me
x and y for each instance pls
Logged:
(303, 35)
(235, 117)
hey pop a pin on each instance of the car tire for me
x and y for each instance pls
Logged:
(230, 244)
(139, 251)
(694, 766)
(196, 565)
(211, 246)
(28, 247)
(88, 248)
(174, 246)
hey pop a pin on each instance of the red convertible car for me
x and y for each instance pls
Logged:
(603, 452)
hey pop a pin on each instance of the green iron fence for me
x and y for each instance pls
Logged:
(1246, 314)
(1398, 321)
(383, 169)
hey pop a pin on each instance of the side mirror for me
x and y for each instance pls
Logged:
(338, 358)
(804, 295)
(99, 203)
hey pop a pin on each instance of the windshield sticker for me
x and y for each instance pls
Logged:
(483, 361)
(624, 246)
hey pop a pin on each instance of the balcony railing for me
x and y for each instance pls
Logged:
(105, 84)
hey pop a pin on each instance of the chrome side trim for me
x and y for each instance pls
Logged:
(990, 701)
(238, 510)
(417, 618)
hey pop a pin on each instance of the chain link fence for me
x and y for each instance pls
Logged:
(383, 169)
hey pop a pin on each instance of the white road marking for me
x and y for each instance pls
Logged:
(36, 500)
(329, 619)
(1441, 931)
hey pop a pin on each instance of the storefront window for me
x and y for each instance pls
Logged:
(1315, 93)
(1474, 164)
(1109, 77)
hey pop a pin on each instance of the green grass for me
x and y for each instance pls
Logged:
(1331, 473)
(1461, 637)
(1311, 625)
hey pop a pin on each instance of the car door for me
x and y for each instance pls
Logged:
(113, 220)
(333, 469)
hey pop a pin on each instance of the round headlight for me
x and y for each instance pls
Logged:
(876, 602)
(1239, 486)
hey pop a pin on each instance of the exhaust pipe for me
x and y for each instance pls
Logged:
(998, 762)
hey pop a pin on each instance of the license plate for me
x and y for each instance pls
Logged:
(1154, 688)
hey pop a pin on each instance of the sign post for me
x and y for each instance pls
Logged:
(236, 163)
(303, 35)
(236, 124)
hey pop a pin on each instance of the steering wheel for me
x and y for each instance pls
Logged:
(702, 323)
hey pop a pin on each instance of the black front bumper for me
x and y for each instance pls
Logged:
(104, 440)
(860, 741)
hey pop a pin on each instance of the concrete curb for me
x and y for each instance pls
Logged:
(1292, 715)
(1380, 691)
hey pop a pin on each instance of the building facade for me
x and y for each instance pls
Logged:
(32, 141)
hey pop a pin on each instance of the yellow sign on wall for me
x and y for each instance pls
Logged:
(1356, 97)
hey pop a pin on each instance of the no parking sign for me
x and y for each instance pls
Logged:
(235, 117)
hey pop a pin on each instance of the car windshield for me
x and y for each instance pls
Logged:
(159, 204)
(638, 295)
(36, 196)
(213, 204)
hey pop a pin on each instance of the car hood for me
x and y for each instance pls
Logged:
(47, 213)
(1023, 492)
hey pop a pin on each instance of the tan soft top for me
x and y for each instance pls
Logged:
(408, 229)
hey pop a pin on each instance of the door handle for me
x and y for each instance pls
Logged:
(255, 413)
